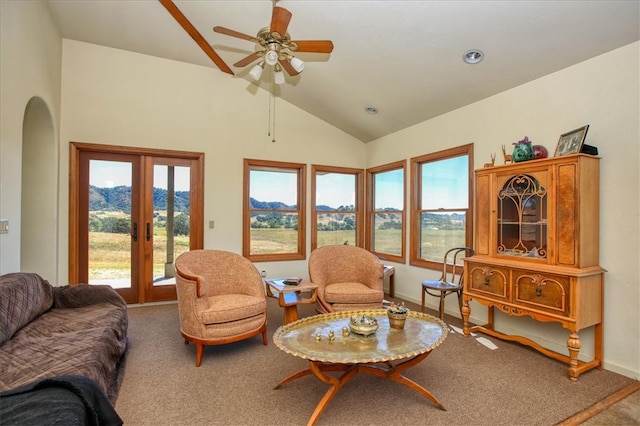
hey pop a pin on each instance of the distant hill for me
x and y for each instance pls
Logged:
(270, 205)
(118, 198)
(277, 205)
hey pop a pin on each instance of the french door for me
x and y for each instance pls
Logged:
(132, 212)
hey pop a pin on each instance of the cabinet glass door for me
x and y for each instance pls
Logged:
(522, 218)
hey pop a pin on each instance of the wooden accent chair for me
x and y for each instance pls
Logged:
(348, 277)
(450, 281)
(221, 299)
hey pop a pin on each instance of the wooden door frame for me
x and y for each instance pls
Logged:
(196, 233)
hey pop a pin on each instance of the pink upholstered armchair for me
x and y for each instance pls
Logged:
(221, 299)
(348, 277)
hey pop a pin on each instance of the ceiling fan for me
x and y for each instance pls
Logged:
(276, 47)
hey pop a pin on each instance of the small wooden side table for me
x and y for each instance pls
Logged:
(290, 296)
(389, 271)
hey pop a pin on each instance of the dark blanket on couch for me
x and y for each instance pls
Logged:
(64, 401)
(47, 332)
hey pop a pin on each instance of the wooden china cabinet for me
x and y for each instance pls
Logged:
(536, 250)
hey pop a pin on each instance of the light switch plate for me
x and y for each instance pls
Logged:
(4, 226)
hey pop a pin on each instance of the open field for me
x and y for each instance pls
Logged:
(434, 242)
(110, 254)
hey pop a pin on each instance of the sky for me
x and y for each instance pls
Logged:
(108, 174)
(332, 189)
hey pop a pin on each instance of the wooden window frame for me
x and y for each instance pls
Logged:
(416, 191)
(300, 169)
(359, 210)
(371, 211)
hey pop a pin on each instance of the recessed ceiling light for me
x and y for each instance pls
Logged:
(371, 110)
(473, 56)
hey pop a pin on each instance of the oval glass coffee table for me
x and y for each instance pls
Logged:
(387, 353)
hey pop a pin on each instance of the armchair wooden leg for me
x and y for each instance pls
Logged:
(199, 353)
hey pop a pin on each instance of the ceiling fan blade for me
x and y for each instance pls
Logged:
(280, 20)
(233, 33)
(251, 58)
(314, 46)
(286, 65)
(195, 35)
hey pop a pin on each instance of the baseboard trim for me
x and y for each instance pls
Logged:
(600, 406)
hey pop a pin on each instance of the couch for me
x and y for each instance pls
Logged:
(48, 332)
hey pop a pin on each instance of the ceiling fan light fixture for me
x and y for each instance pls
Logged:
(271, 56)
(297, 64)
(473, 56)
(256, 71)
(278, 75)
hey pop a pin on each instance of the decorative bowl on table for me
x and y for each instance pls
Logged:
(363, 325)
(397, 315)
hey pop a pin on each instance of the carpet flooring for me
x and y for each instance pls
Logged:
(511, 385)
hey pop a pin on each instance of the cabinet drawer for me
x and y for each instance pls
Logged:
(550, 293)
(488, 280)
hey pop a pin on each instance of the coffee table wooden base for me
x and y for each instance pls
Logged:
(385, 370)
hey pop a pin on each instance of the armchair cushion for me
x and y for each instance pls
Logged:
(232, 307)
(351, 293)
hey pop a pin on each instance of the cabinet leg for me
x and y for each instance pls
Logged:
(490, 317)
(466, 312)
(573, 344)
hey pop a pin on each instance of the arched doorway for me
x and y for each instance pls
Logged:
(39, 206)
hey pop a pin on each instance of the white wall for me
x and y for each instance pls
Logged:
(30, 61)
(602, 92)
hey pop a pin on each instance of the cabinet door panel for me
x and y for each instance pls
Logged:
(488, 280)
(549, 293)
(483, 216)
(566, 214)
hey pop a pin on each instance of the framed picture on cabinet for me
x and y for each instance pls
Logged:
(571, 142)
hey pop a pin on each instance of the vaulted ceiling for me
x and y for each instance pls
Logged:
(402, 57)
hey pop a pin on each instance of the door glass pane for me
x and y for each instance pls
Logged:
(171, 203)
(110, 223)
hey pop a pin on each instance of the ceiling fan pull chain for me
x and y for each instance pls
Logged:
(272, 113)
(272, 118)
(269, 119)
(273, 139)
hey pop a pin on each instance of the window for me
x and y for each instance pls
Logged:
(337, 206)
(274, 211)
(441, 200)
(385, 212)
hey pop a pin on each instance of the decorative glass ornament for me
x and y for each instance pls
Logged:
(539, 152)
(523, 150)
